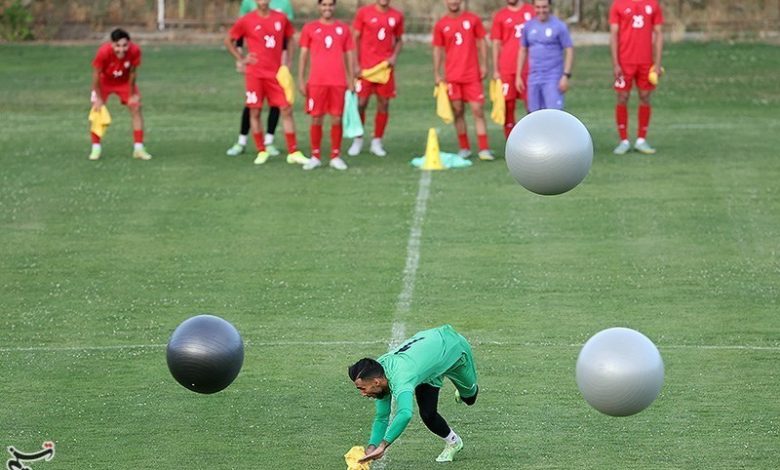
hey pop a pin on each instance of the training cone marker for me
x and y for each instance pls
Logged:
(432, 159)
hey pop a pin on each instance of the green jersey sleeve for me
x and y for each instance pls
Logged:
(404, 409)
(381, 418)
(246, 7)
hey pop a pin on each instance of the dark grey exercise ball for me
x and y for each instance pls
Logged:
(205, 353)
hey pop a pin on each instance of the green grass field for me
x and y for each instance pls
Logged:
(99, 261)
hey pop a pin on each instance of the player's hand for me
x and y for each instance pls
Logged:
(97, 103)
(351, 85)
(496, 75)
(482, 72)
(374, 454)
(617, 71)
(240, 67)
(437, 79)
(391, 60)
(563, 84)
(250, 59)
(519, 85)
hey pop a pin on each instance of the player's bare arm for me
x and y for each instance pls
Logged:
(568, 62)
(483, 58)
(658, 47)
(134, 99)
(97, 102)
(399, 43)
(613, 47)
(437, 55)
(351, 69)
(303, 58)
(241, 61)
(496, 51)
(522, 52)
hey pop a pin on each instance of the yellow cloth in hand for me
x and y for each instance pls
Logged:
(498, 114)
(100, 120)
(443, 106)
(380, 73)
(356, 453)
(285, 79)
(652, 75)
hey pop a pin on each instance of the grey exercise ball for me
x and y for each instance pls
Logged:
(549, 152)
(620, 371)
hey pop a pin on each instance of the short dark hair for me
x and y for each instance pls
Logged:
(365, 368)
(118, 34)
(320, 1)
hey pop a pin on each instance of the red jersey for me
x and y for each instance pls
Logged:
(327, 44)
(379, 33)
(458, 36)
(113, 70)
(264, 36)
(635, 20)
(508, 28)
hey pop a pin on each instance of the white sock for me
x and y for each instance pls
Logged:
(269, 139)
(242, 140)
(95, 146)
(451, 438)
(358, 139)
(640, 140)
(376, 140)
(625, 141)
(138, 146)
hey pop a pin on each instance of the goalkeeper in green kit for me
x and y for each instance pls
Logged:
(416, 369)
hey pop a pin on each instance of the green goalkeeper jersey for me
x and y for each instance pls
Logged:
(283, 6)
(423, 358)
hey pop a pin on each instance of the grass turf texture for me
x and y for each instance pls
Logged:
(99, 261)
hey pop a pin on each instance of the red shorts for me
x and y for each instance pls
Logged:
(364, 88)
(325, 99)
(259, 89)
(122, 90)
(471, 92)
(632, 73)
(509, 89)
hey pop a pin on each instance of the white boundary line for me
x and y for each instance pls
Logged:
(397, 337)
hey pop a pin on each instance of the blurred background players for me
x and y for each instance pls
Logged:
(114, 71)
(378, 31)
(547, 44)
(505, 34)
(282, 6)
(329, 44)
(636, 42)
(459, 42)
(265, 31)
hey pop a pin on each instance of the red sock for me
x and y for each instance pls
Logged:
(509, 116)
(644, 120)
(259, 141)
(482, 141)
(380, 122)
(621, 118)
(362, 116)
(315, 138)
(95, 138)
(292, 142)
(138, 137)
(463, 141)
(336, 132)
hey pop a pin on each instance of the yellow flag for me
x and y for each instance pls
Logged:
(443, 106)
(100, 120)
(285, 79)
(653, 75)
(498, 115)
(356, 453)
(380, 73)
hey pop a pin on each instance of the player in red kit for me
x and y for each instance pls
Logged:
(378, 29)
(265, 32)
(636, 43)
(115, 70)
(505, 33)
(459, 42)
(328, 42)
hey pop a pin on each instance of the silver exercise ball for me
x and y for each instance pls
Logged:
(620, 371)
(549, 152)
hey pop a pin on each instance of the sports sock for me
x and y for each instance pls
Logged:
(451, 438)
(509, 116)
(482, 141)
(95, 138)
(259, 142)
(315, 139)
(242, 139)
(292, 143)
(273, 120)
(138, 137)
(645, 110)
(245, 121)
(380, 122)
(336, 132)
(621, 118)
(463, 141)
